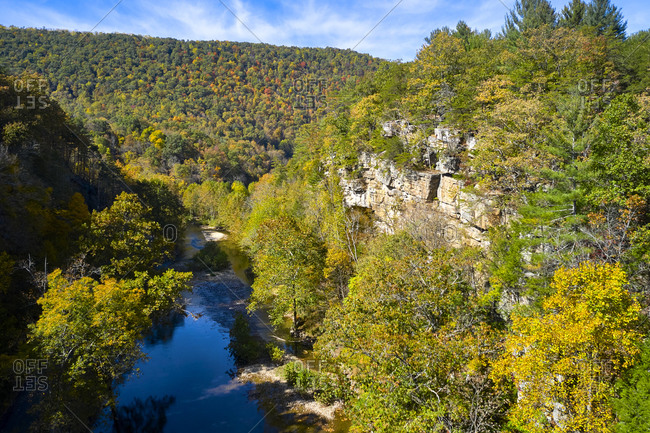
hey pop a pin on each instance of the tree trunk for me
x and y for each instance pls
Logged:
(295, 317)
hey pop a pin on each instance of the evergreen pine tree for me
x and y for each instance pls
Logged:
(529, 14)
(606, 18)
(464, 33)
(633, 406)
(573, 14)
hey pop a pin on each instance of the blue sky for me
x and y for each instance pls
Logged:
(322, 23)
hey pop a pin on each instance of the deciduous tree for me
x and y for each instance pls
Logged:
(565, 359)
(288, 264)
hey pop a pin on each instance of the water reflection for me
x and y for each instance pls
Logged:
(149, 416)
(163, 330)
(193, 366)
(239, 261)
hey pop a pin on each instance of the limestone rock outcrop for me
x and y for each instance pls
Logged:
(399, 196)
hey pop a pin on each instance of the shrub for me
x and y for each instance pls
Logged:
(299, 376)
(325, 389)
(276, 353)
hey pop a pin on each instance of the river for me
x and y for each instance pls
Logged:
(187, 383)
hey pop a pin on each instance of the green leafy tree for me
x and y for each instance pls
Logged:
(606, 18)
(620, 151)
(512, 147)
(288, 264)
(90, 331)
(211, 256)
(122, 238)
(165, 205)
(617, 186)
(434, 75)
(636, 62)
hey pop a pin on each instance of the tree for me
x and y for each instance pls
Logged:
(434, 75)
(565, 359)
(434, 33)
(208, 202)
(414, 337)
(165, 205)
(175, 150)
(632, 408)
(606, 18)
(620, 157)
(288, 264)
(122, 238)
(529, 14)
(573, 14)
(636, 60)
(617, 186)
(512, 149)
(471, 39)
(89, 331)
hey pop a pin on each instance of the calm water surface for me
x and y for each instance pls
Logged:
(186, 384)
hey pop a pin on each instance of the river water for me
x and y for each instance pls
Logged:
(187, 383)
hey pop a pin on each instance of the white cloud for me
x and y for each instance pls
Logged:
(30, 15)
(335, 23)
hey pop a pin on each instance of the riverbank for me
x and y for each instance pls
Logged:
(212, 234)
(295, 407)
(224, 293)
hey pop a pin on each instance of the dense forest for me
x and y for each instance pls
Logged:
(190, 110)
(542, 327)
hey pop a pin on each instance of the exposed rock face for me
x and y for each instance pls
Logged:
(399, 197)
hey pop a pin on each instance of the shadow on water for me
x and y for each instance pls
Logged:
(192, 361)
(148, 416)
(163, 329)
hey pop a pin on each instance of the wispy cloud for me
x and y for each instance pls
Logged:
(335, 23)
(34, 15)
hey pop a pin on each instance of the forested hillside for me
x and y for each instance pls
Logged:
(192, 110)
(542, 326)
(538, 330)
(68, 238)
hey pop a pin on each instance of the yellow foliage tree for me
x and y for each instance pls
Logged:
(564, 360)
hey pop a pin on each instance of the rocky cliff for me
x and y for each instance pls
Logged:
(431, 199)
